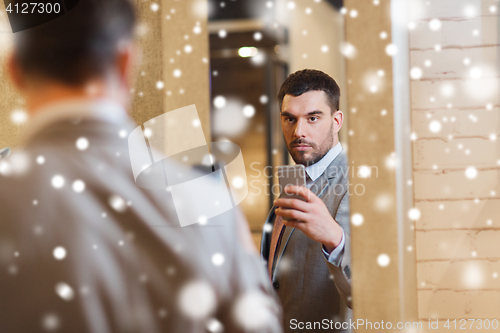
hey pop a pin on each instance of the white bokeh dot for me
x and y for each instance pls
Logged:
(469, 11)
(414, 214)
(391, 50)
(78, 186)
(19, 117)
(238, 182)
(435, 24)
(82, 143)
(202, 220)
(435, 126)
(117, 203)
(51, 322)
(57, 181)
(218, 259)
(177, 73)
(154, 7)
(249, 111)
(447, 90)
(357, 219)
(473, 276)
(59, 253)
(348, 50)
(220, 102)
(383, 260)
(364, 171)
(416, 73)
(65, 291)
(252, 312)
(391, 161)
(148, 132)
(214, 326)
(222, 33)
(471, 172)
(197, 300)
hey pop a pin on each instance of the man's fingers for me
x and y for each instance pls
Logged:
(291, 203)
(300, 190)
(294, 224)
(291, 214)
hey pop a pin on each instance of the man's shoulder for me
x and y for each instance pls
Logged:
(339, 167)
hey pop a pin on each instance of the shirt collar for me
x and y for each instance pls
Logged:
(103, 109)
(317, 169)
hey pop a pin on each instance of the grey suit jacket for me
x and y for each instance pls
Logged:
(113, 258)
(310, 287)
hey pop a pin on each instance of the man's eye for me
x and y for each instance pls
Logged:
(289, 120)
(313, 118)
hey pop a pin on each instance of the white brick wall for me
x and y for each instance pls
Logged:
(457, 236)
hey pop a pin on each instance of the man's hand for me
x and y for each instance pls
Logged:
(310, 216)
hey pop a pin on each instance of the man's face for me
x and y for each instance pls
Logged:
(308, 126)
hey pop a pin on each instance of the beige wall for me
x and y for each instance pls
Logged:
(161, 40)
(458, 253)
(371, 143)
(10, 101)
(187, 51)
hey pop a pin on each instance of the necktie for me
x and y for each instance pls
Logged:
(277, 235)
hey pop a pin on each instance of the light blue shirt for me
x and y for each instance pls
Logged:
(314, 171)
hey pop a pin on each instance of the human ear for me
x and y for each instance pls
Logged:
(338, 120)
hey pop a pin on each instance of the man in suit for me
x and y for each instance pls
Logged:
(82, 247)
(308, 255)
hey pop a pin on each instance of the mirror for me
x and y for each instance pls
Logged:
(254, 46)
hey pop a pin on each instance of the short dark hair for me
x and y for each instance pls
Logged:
(79, 45)
(311, 80)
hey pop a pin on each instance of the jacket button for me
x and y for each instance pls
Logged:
(276, 285)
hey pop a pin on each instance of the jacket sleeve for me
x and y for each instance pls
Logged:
(253, 305)
(341, 268)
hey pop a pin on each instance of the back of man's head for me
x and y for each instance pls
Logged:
(78, 46)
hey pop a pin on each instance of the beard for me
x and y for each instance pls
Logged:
(313, 155)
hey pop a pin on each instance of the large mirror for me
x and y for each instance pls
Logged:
(254, 46)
